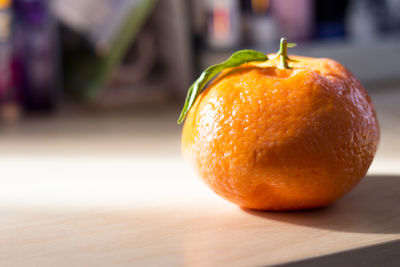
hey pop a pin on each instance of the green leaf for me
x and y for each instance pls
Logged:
(238, 58)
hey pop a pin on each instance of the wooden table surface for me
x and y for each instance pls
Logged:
(113, 191)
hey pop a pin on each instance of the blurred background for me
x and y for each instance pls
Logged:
(119, 69)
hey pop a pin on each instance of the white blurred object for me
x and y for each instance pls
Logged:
(223, 23)
(263, 30)
(360, 22)
(262, 27)
(158, 64)
(99, 20)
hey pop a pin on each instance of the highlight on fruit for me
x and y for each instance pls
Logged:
(238, 58)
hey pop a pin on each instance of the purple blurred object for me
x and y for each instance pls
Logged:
(295, 18)
(9, 106)
(36, 47)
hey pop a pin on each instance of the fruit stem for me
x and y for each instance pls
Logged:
(283, 55)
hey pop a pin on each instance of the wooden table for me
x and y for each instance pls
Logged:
(113, 191)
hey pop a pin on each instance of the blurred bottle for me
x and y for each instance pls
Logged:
(261, 27)
(9, 108)
(223, 23)
(295, 18)
(37, 55)
(360, 22)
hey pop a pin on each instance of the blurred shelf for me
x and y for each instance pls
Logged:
(371, 62)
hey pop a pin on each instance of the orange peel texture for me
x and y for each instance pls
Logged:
(282, 139)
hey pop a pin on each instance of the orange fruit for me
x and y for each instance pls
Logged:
(268, 138)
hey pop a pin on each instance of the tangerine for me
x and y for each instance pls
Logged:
(272, 137)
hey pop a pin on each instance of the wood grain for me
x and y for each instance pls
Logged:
(198, 230)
